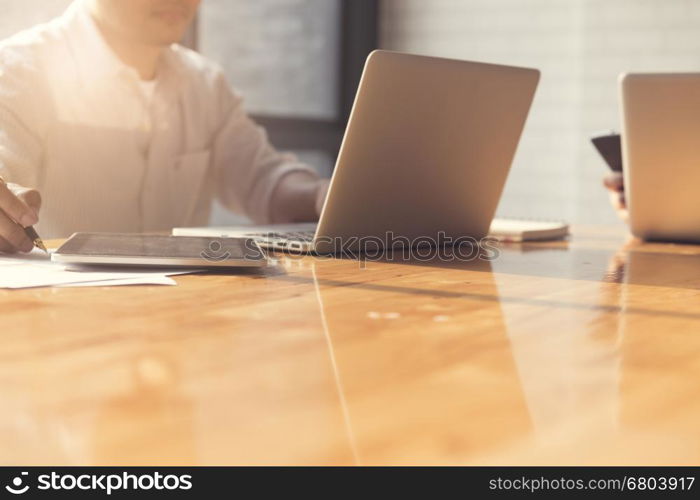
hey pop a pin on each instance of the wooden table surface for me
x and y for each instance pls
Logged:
(578, 352)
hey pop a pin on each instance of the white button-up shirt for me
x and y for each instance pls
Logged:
(76, 124)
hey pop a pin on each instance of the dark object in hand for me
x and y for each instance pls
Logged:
(610, 148)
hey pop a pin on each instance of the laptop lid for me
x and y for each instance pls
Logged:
(427, 149)
(661, 154)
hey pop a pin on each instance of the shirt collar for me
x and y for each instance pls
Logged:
(95, 58)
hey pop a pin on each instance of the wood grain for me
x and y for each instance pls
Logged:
(579, 352)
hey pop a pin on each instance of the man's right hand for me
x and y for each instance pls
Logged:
(615, 184)
(19, 208)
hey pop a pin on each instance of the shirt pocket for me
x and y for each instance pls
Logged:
(188, 178)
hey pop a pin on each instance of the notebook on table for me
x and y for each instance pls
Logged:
(519, 230)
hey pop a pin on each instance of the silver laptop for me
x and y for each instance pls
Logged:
(661, 154)
(425, 156)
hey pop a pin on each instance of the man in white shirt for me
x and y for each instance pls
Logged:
(119, 129)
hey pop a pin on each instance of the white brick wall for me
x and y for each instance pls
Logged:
(581, 46)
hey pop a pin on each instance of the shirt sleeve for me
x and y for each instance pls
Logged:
(247, 168)
(21, 148)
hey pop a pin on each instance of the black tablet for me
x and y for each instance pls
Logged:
(159, 251)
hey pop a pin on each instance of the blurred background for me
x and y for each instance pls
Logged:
(297, 63)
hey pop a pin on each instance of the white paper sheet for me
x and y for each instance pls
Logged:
(150, 280)
(36, 270)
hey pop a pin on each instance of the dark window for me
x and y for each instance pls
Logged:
(297, 63)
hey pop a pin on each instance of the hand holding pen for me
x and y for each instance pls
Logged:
(19, 208)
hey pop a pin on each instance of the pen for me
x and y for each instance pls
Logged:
(36, 239)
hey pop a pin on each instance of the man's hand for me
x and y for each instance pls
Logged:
(616, 186)
(298, 197)
(19, 208)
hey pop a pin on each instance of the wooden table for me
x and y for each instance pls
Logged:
(579, 352)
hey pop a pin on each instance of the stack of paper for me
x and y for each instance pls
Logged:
(36, 270)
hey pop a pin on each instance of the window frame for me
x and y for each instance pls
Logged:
(359, 35)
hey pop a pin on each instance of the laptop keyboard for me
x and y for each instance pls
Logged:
(304, 236)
